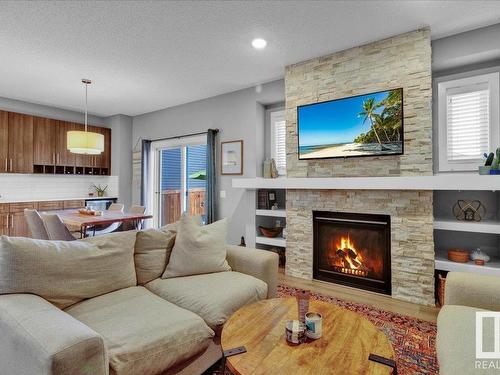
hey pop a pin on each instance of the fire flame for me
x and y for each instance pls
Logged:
(346, 258)
(345, 244)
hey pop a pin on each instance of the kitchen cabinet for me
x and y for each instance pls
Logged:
(45, 139)
(50, 205)
(105, 160)
(18, 224)
(13, 222)
(20, 143)
(63, 156)
(79, 203)
(4, 142)
(4, 220)
(34, 144)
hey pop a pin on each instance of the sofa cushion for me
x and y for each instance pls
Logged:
(213, 296)
(198, 248)
(143, 333)
(67, 272)
(456, 340)
(152, 252)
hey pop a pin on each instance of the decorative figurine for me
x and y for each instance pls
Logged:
(469, 210)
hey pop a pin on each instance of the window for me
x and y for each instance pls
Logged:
(278, 140)
(467, 121)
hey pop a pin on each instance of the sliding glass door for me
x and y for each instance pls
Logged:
(180, 183)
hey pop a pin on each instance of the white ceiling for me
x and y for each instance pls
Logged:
(144, 56)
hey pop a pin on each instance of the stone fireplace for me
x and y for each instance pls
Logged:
(353, 249)
(401, 61)
(411, 234)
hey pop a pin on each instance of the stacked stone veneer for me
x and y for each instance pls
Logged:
(412, 245)
(402, 61)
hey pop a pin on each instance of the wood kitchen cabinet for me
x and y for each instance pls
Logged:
(4, 220)
(18, 226)
(45, 139)
(4, 142)
(14, 224)
(105, 160)
(63, 156)
(34, 144)
(20, 143)
(50, 206)
(79, 203)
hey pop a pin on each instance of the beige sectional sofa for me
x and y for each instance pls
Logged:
(112, 313)
(465, 294)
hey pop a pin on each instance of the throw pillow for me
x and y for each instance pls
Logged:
(65, 273)
(198, 249)
(152, 252)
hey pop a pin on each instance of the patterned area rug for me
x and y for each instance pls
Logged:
(413, 340)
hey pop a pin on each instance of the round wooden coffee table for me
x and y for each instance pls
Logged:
(347, 341)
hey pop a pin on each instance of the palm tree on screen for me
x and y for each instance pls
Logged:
(368, 113)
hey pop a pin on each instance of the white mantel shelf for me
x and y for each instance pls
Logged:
(445, 181)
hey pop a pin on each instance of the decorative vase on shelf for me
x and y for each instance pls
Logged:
(266, 168)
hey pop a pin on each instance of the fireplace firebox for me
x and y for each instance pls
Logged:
(353, 249)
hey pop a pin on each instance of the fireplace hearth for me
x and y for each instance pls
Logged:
(353, 249)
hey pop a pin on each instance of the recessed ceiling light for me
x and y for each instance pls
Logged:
(259, 43)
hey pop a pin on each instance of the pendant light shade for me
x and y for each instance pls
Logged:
(82, 142)
(85, 142)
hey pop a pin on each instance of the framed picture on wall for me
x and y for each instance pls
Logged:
(232, 157)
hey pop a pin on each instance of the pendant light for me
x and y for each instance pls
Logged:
(85, 142)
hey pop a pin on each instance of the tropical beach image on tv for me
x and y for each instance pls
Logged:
(364, 125)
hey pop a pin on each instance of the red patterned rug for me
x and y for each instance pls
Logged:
(413, 340)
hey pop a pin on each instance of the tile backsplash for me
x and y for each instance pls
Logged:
(29, 187)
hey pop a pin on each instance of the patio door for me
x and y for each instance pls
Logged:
(180, 183)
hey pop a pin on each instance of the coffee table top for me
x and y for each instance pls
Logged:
(347, 340)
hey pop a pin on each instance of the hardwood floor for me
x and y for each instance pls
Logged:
(360, 296)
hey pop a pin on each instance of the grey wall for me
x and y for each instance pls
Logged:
(121, 154)
(238, 115)
(45, 111)
(468, 48)
(121, 137)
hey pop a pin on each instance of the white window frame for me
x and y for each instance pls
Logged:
(275, 117)
(155, 170)
(443, 85)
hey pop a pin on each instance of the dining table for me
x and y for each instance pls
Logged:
(73, 218)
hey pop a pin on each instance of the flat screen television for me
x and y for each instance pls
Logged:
(363, 125)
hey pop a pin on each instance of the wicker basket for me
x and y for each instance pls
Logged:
(441, 287)
(270, 232)
(458, 255)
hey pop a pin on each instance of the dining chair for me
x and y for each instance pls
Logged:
(139, 210)
(116, 207)
(56, 229)
(35, 224)
(98, 230)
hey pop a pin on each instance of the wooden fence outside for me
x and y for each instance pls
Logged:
(171, 204)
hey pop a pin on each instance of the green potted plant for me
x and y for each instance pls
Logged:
(100, 190)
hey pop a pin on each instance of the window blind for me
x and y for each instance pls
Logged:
(279, 145)
(468, 122)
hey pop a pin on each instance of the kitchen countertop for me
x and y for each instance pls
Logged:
(6, 201)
